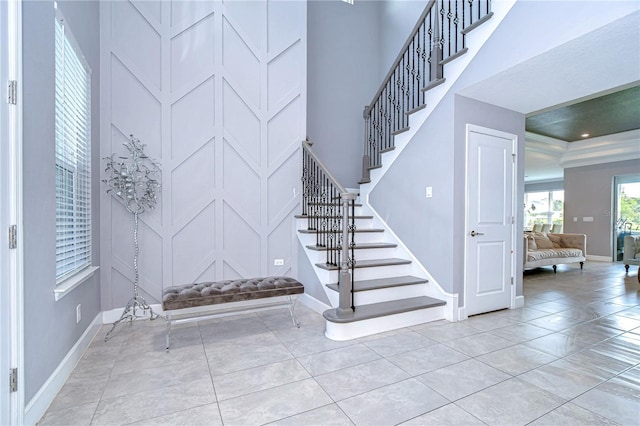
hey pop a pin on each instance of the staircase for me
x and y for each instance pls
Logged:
(372, 282)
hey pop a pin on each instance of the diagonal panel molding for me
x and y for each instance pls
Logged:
(137, 41)
(283, 132)
(150, 9)
(249, 20)
(284, 74)
(192, 120)
(282, 187)
(240, 121)
(185, 14)
(193, 55)
(193, 247)
(192, 184)
(217, 91)
(241, 65)
(134, 109)
(241, 243)
(282, 29)
(241, 185)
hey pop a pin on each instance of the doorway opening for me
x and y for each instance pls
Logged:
(626, 211)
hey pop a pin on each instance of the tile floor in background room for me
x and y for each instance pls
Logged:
(570, 356)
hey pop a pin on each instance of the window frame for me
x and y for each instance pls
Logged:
(72, 140)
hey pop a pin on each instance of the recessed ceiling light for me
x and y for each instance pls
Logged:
(585, 135)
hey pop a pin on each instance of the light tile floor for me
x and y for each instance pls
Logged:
(570, 356)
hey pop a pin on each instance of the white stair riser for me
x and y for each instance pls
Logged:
(361, 237)
(361, 274)
(354, 330)
(366, 273)
(390, 293)
(316, 256)
(360, 223)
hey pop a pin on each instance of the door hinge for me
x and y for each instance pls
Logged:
(513, 220)
(511, 280)
(13, 237)
(13, 380)
(514, 157)
(12, 92)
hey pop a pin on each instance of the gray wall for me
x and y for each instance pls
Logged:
(350, 50)
(50, 328)
(342, 51)
(433, 229)
(396, 20)
(588, 192)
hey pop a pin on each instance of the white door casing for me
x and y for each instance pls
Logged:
(11, 340)
(5, 343)
(490, 217)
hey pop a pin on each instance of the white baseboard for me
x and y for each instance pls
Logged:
(451, 312)
(594, 258)
(519, 302)
(313, 303)
(462, 313)
(41, 401)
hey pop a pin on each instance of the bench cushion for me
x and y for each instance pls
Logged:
(210, 293)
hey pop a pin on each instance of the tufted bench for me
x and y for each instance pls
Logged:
(212, 293)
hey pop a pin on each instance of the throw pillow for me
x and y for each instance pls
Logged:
(556, 240)
(531, 243)
(542, 241)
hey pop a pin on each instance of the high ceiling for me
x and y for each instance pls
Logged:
(605, 115)
(583, 80)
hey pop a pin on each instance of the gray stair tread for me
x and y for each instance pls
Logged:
(377, 310)
(360, 246)
(299, 216)
(368, 263)
(433, 84)
(379, 283)
(313, 231)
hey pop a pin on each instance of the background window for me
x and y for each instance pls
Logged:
(543, 207)
(73, 154)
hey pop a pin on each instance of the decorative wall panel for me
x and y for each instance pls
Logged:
(217, 92)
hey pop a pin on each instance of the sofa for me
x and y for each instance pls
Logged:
(631, 253)
(544, 249)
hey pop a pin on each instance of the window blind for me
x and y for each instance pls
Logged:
(73, 154)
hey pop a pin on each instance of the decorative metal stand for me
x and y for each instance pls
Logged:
(135, 181)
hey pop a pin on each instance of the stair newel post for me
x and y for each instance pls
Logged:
(345, 306)
(436, 47)
(366, 159)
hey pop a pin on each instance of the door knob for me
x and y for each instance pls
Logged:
(474, 233)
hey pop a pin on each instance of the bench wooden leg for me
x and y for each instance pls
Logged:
(581, 265)
(168, 337)
(292, 304)
(554, 268)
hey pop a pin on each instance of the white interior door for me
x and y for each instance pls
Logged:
(490, 220)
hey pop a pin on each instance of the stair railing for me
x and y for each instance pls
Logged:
(330, 212)
(437, 38)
